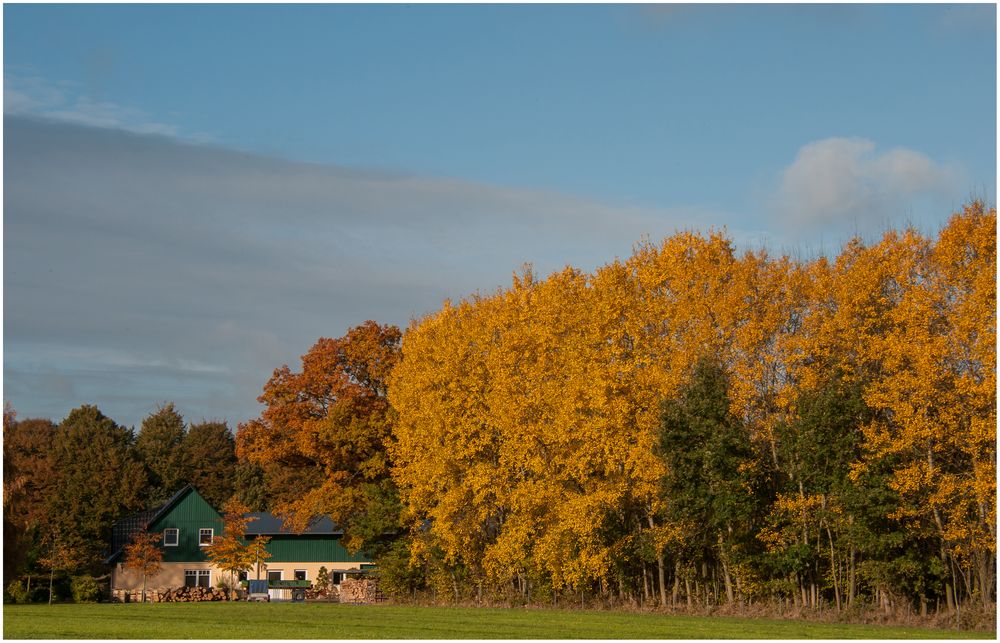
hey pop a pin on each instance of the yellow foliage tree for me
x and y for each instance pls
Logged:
(144, 555)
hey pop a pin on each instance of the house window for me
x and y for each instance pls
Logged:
(337, 577)
(274, 575)
(300, 574)
(171, 537)
(197, 578)
(243, 575)
(205, 537)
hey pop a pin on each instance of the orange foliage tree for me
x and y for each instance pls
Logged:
(144, 555)
(330, 422)
(229, 551)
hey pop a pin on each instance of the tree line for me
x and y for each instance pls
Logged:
(693, 426)
(66, 484)
(690, 426)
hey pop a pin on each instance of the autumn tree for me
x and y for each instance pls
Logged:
(229, 551)
(29, 477)
(144, 555)
(937, 389)
(838, 443)
(158, 445)
(517, 393)
(257, 552)
(326, 427)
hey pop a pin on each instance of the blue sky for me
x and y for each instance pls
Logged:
(194, 194)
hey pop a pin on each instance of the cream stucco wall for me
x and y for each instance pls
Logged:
(171, 575)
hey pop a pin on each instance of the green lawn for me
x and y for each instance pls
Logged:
(333, 621)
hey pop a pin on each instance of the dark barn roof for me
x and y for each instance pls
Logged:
(267, 524)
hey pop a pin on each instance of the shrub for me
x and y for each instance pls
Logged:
(397, 577)
(322, 583)
(18, 591)
(85, 589)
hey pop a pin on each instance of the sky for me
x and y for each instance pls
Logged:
(194, 194)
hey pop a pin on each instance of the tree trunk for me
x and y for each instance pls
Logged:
(663, 580)
(676, 590)
(727, 579)
(51, 573)
(958, 603)
(660, 571)
(833, 568)
(949, 591)
(987, 577)
(144, 587)
(853, 579)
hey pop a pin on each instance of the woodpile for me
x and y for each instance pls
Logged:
(360, 590)
(329, 593)
(194, 594)
(177, 595)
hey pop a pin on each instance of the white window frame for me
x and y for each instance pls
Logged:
(201, 534)
(177, 537)
(198, 574)
(305, 574)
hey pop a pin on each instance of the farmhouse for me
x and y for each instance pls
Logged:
(188, 524)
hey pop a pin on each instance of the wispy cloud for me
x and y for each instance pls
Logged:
(140, 269)
(28, 94)
(846, 180)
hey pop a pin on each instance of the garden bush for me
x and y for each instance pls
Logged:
(18, 592)
(85, 589)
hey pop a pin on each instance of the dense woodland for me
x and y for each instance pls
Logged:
(688, 427)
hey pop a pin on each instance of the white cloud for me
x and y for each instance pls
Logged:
(846, 180)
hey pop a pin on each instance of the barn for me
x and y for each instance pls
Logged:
(188, 524)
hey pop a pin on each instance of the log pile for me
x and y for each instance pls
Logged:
(177, 595)
(360, 590)
(194, 594)
(329, 593)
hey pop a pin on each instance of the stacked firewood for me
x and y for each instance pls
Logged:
(178, 595)
(193, 594)
(328, 593)
(360, 590)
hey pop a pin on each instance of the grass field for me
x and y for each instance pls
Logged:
(333, 621)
